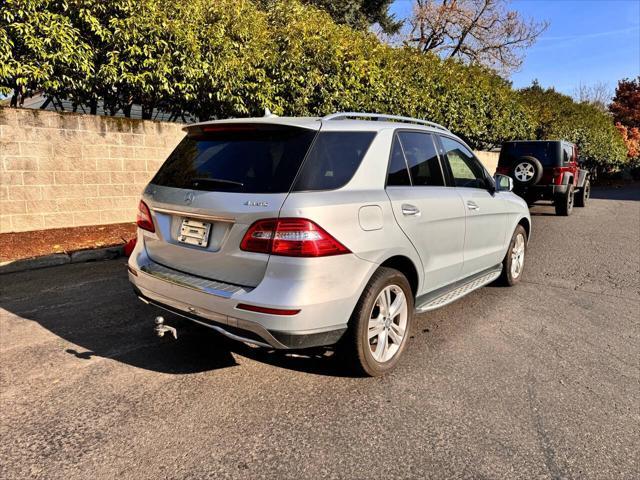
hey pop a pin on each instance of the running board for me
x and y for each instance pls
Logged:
(445, 296)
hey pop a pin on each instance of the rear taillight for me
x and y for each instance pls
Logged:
(502, 170)
(144, 220)
(291, 237)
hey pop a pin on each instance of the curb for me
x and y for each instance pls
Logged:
(55, 259)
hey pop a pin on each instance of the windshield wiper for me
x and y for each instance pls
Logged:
(222, 181)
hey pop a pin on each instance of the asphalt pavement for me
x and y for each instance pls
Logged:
(537, 381)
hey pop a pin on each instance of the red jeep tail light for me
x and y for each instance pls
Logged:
(291, 237)
(144, 220)
(502, 170)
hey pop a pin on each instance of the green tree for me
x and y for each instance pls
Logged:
(231, 58)
(235, 48)
(360, 14)
(152, 58)
(558, 117)
(139, 53)
(39, 46)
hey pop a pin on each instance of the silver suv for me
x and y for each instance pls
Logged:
(291, 233)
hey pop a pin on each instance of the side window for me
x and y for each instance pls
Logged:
(422, 159)
(465, 168)
(398, 174)
(568, 154)
(333, 160)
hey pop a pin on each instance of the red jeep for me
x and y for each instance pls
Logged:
(546, 170)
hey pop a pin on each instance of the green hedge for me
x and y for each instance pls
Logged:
(557, 116)
(232, 58)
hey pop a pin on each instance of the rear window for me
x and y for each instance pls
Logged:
(545, 152)
(238, 158)
(333, 160)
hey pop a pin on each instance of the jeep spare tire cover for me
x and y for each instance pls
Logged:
(526, 171)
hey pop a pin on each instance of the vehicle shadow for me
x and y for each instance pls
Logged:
(92, 307)
(542, 209)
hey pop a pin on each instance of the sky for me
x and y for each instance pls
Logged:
(587, 42)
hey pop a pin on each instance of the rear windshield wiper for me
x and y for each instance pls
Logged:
(222, 181)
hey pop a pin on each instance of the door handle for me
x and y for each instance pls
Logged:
(410, 210)
(472, 205)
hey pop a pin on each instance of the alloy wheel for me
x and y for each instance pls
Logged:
(387, 323)
(524, 172)
(517, 256)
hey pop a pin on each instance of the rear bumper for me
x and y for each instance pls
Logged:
(251, 332)
(322, 292)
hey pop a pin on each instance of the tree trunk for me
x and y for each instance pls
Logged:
(45, 104)
(147, 111)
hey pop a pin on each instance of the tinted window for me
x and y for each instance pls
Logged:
(333, 159)
(422, 158)
(398, 173)
(465, 168)
(545, 152)
(237, 158)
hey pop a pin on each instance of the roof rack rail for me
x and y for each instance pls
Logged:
(381, 116)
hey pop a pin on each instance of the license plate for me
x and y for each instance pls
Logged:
(194, 232)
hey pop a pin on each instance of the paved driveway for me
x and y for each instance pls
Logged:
(538, 381)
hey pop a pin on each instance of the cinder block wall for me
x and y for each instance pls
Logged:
(66, 169)
(489, 159)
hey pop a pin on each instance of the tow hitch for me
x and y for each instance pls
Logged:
(161, 328)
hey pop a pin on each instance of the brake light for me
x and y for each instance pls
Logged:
(228, 128)
(291, 237)
(144, 220)
(502, 170)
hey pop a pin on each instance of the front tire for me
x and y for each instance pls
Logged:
(380, 325)
(513, 263)
(583, 195)
(564, 203)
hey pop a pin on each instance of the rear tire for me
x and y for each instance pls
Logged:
(564, 202)
(582, 197)
(372, 322)
(513, 263)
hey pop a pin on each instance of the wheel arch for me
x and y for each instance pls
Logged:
(567, 179)
(405, 266)
(526, 224)
(583, 176)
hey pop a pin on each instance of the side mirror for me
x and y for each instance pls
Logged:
(503, 183)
